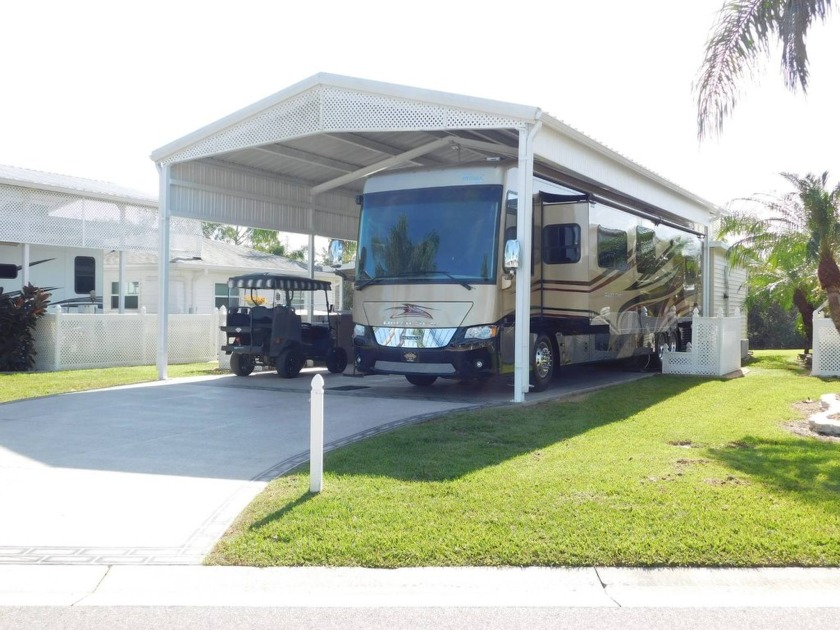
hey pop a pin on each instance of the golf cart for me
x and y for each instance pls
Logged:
(268, 332)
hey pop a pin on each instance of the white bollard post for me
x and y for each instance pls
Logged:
(316, 435)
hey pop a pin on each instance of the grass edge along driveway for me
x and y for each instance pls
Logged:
(22, 385)
(668, 471)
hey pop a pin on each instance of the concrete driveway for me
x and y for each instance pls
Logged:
(155, 473)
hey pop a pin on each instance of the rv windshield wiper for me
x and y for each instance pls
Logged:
(463, 283)
(361, 284)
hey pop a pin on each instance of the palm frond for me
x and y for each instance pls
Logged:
(740, 34)
(796, 19)
(738, 38)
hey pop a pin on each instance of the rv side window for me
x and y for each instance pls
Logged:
(561, 243)
(645, 251)
(612, 248)
(84, 274)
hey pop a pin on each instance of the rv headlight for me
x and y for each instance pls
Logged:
(358, 330)
(481, 332)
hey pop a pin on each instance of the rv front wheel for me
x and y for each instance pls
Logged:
(542, 363)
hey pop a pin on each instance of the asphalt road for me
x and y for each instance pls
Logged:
(209, 618)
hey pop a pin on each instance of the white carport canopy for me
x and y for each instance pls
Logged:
(296, 161)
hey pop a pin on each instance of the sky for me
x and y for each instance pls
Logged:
(91, 88)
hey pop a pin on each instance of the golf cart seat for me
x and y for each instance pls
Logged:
(286, 326)
(260, 325)
(238, 316)
(260, 315)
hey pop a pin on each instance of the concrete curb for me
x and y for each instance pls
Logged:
(319, 587)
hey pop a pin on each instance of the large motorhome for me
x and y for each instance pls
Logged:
(433, 298)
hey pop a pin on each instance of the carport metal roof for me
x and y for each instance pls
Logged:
(296, 161)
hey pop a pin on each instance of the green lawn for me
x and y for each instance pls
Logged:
(667, 471)
(20, 385)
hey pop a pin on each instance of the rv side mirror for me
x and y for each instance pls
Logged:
(336, 253)
(512, 255)
(8, 271)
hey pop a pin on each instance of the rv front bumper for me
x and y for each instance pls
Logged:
(454, 361)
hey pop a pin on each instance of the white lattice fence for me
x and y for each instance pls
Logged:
(715, 348)
(68, 342)
(825, 357)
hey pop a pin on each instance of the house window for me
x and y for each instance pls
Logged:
(561, 243)
(612, 248)
(84, 274)
(132, 295)
(225, 296)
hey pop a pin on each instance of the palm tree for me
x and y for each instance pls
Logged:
(779, 271)
(790, 245)
(823, 207)
(743, 32)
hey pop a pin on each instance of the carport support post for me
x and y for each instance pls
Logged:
(163, 272)
(316, 435)
(524, 212)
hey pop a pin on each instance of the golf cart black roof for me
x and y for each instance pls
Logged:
(277, 281)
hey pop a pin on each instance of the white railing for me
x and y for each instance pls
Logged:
(77, 341)
(715, 347)
(825, 353)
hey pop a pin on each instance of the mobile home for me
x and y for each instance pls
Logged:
(72, 275)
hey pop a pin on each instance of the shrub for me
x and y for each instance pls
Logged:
(19, 312)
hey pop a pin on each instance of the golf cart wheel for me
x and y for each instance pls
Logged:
(542, 363)
(241, 364)
(336, 360)
(421, 380)
(289, 363)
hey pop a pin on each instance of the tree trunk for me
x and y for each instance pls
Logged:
(829, 276)
(806, 311)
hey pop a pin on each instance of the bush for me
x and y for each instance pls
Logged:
(771, 326)
(19, 312)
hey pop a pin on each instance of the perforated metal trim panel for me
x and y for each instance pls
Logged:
(332, 109)
(42, 217)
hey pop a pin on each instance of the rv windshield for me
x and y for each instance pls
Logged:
(436, 235)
